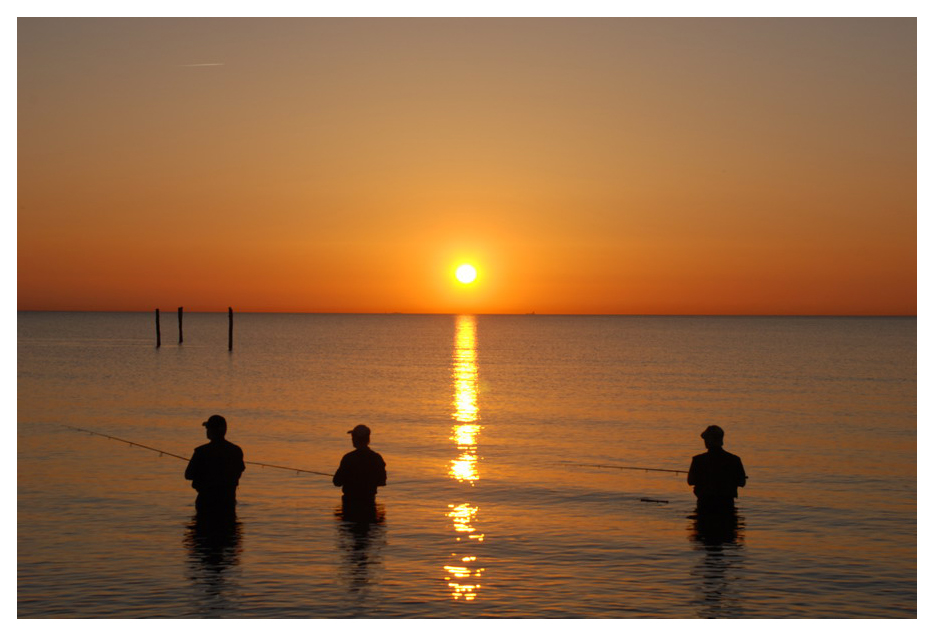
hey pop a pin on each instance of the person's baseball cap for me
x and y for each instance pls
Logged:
(215, 421)
(360, 430)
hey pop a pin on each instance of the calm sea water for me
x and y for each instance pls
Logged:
(484, 422)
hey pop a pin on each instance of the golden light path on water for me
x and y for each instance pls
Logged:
(464, 571)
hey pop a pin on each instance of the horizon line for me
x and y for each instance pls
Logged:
(392, 313)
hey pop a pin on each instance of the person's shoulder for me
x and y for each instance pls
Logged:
(202, 448)
(732, 456)
(231, 445)
(373, 454)
(700, 456)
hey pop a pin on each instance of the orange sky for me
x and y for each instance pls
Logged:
(633, 166)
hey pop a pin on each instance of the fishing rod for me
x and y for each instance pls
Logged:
(613, 466)
(129, 442)
(167, 453)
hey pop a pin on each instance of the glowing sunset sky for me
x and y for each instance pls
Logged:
(632, 166)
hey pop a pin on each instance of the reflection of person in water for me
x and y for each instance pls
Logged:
(725, 527)
(214, 540)
(360, 473)
(361, 538)
(215, 469)
(716, 474)
(213, 543)
(718, 574)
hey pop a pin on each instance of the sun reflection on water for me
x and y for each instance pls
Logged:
(464, 571)
(464, 378)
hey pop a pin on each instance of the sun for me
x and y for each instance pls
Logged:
(466, 273)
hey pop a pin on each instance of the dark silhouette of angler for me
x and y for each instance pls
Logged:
(716, 474)
(360, 473)
(215, 469)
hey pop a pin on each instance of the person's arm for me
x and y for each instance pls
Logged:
(338, 479)
(693, 473)
(741, 475)
(192, 469)
(381, 482)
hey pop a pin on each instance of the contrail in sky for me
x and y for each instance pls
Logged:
(206, 64)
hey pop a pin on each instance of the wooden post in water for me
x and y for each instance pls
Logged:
(180, 326)
(158, 334)
(230, 329)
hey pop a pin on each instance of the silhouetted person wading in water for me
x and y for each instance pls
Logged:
(716, 474)
(361, 471)
(215, 469)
